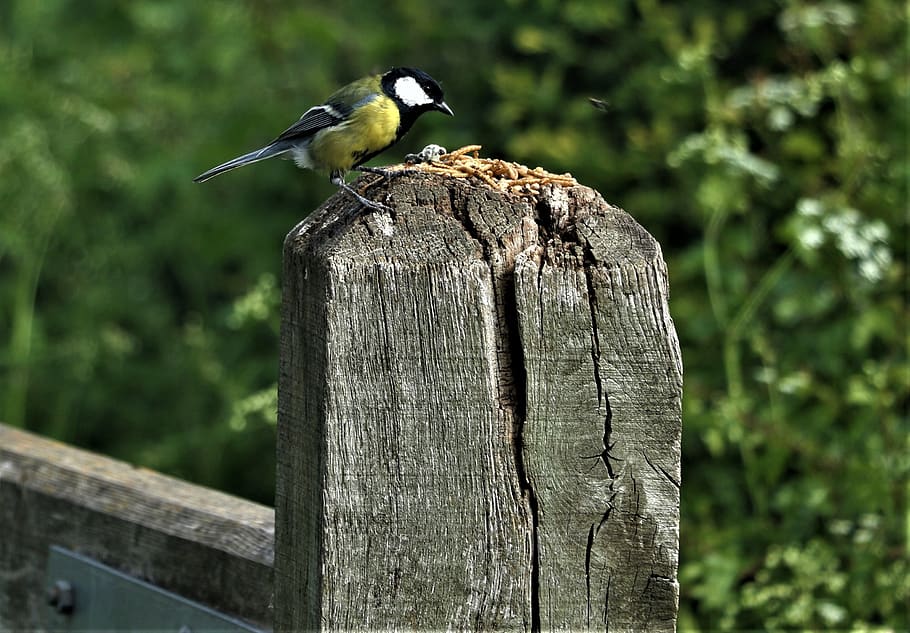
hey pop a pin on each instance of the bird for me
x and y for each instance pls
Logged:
(357, 122)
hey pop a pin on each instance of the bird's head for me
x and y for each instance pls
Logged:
(414, 91)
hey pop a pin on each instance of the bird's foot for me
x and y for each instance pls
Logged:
(370, 204)
(379, 171)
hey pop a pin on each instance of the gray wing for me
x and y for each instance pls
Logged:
(315, 119)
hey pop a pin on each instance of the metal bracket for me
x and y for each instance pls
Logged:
(87, 595)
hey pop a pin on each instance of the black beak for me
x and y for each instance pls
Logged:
(442, 107)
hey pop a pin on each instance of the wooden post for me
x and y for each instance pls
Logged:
(479, 416)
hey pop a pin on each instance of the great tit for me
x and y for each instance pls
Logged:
(355, 124)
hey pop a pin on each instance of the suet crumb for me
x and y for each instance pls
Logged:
(497, 173)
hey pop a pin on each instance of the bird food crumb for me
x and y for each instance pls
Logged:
(499, 174)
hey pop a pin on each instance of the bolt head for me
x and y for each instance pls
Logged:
(61, 596)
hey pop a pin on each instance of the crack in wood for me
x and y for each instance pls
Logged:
(603, 398)
(589, 548)
(660, 470)
(511, 372)
(589, 263)
(567, 233)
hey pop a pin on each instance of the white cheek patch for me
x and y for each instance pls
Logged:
(411, 94)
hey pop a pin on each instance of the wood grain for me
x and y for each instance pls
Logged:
(205, 545)
(602, 435)
(479, 416)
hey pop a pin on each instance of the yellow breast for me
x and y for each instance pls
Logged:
(370, 129)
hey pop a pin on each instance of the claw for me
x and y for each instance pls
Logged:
(370, 204)
(379, 171)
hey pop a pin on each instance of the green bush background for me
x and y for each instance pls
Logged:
(764, 144)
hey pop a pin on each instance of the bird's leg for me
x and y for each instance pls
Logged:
(371, 204)
(338, 180)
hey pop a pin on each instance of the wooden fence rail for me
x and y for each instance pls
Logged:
(205, 545)
(478, 429)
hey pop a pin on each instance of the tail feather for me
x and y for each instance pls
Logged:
(252, 157)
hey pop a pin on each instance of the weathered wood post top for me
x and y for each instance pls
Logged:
(479, 410)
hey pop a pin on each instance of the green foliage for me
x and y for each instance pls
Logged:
(764, 145)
